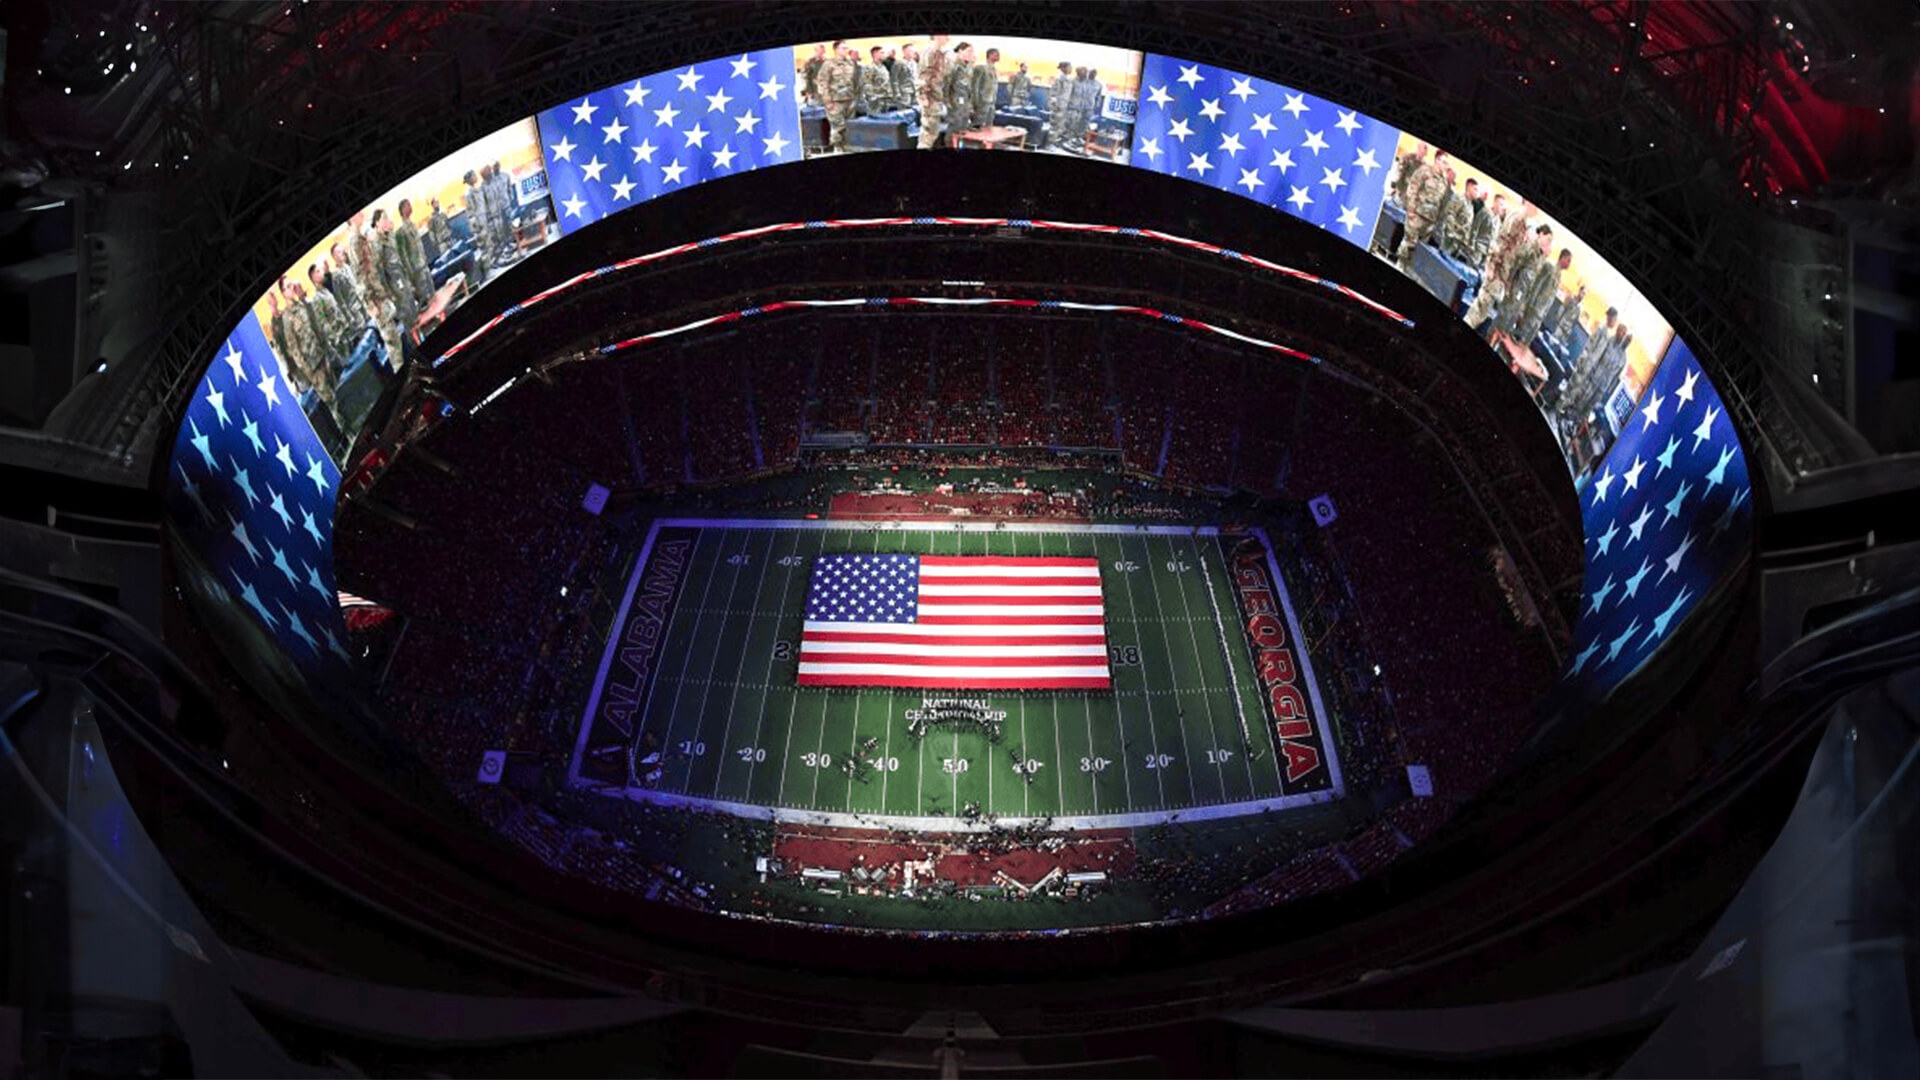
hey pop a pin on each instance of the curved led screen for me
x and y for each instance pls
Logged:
(256, 464)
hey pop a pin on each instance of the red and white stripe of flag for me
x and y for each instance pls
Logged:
(981, 623)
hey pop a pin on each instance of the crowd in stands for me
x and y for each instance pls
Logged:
(1082, 383)
(721, 431)
(837, 394)
(901, 378)
(1463, 676)
(1023, 384)
(1333, 866)
(777, 382)
(1190, 411)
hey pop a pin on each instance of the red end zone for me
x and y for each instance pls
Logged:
(1298, 738)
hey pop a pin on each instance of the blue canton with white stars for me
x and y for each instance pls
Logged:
(622, 145)
(251, 489)
(864, 589)
(1668, 510)
(1266, 142)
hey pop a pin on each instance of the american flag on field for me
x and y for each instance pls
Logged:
(1668, 510)
(1265, 142)
(251, 490)
(955, 622)
(623, 145)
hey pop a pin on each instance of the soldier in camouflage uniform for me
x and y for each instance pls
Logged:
(277, 328)
(939, 46)
(933, 98)
(905, 79)
(335, 332)
(394, 276)
(1424, 194)
(304, 353)
(324, 357)
(1442, 211)
(1481, 229)
(986, 89)
(489, 191)
(475, 203)
(1020, 89)
(1509, 245)
(343, 281)
(837, 83)
(343, 324)
(1598, 369)
(1404, 168)
(1076, 129)
(1568, 317)
(406, 237)
(1409, 164)
(440, 230)
(1523, 269)
(1531, 294)
(1456, 218)
(500, 204)
(1086, 98)
(363, 243)
(810, 73)
(875, 83)
(960, 93)
(1060, 108)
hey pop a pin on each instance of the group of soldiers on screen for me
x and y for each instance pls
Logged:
(378, 274)
(1519, 295)
(955, 90)
(490, 200)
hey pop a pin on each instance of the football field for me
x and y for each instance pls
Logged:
(696, 699)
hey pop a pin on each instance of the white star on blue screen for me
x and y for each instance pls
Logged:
(224, 500)
(1689, 517)
(727, 123)
(1227, 112)
(864, 588)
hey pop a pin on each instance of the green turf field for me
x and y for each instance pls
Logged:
(721, 709)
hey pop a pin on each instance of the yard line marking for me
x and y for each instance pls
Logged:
(1059, 758)
(793, 717)
(1233, 676)
(1193, 636)
(1086, 703)
(733, 698)
(1159, 774)
(1206, 700)
(760, 719)
(886, 745)
(853, 741)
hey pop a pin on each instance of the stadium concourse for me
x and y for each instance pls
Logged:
(1183, 464)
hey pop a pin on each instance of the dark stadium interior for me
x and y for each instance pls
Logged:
(229, 856)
